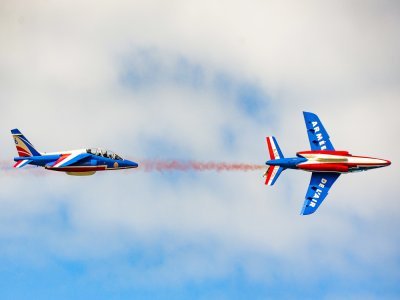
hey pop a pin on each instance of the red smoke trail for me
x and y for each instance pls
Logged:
(6, 167)
(150, 165)
(176, 165)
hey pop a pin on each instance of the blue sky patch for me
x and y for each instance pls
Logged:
(150, 68)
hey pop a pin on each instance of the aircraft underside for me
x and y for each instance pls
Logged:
(84, 170)
(324, 162)
(318, 161)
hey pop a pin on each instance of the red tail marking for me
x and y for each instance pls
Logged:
(22, 152)
(271, 152)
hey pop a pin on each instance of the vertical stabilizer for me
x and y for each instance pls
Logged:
(24, 147)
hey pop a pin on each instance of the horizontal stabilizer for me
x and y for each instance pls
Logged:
(22, 163)
(272, 174)
(273, 148)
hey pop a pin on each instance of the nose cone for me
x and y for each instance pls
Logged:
(388, 163)
(131, 164)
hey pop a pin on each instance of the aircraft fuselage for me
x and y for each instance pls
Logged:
(78, 162)
(329, 161)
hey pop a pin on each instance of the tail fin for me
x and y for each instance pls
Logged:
(24, 147)
(273, 148)
(272, 174)
(275, 153)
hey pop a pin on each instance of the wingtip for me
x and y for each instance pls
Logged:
(302, 210)
(15, 131)
(305, 211)
(305, 113)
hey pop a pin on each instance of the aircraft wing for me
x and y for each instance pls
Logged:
(66, 160)
(317, 135)
(318, 190)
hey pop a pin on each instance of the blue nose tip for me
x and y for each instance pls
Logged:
(131, 164)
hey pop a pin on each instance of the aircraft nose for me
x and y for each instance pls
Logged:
(388, 163)
(131, 164)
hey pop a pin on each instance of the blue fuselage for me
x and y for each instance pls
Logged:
(287, 163)
(77, 162)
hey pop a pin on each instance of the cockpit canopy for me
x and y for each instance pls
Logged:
(104, 153)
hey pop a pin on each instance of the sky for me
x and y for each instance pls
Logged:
(203, 81)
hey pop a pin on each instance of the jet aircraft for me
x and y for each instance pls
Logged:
(325, 163)
(80, 162)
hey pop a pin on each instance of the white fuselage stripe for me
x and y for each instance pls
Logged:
(340, 159)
